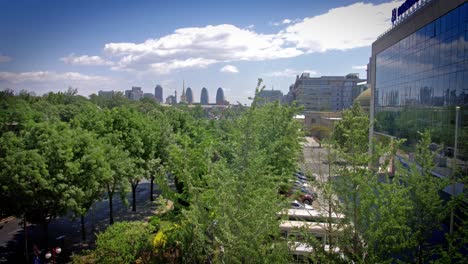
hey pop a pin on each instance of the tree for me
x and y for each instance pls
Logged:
(89, 170)
(37, 168)
(156, 138)
(428, 209)
(373, 202)
(353, 128)
(133, 134)
(117, 179)
(230, 171)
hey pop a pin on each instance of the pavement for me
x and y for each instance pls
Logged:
(310, 142)
(97, 220)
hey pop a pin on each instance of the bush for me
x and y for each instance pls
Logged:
(155, 222)
(122, 242)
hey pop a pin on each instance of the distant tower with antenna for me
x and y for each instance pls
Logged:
(183, 97)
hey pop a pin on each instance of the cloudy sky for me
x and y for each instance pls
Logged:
(111, 45)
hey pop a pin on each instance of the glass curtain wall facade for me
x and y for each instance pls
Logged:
(420, 79)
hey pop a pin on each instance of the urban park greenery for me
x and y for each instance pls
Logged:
(221, 175)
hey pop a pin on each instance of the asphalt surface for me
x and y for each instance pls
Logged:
(97, 219)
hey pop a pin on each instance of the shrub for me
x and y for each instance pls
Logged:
(122, 242)
(155, 222)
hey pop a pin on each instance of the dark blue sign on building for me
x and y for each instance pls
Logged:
(403, 8)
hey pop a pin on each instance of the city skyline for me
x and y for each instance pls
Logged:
(104, 46)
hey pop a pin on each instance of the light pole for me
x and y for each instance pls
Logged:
(454, 165)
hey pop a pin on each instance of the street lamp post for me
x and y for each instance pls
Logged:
(454, 165)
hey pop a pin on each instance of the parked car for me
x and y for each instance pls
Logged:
(306, 198)
(301, 177)
(297, 205)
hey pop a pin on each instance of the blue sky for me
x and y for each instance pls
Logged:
(113, 45)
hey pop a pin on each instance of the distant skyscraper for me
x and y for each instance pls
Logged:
(148, 95)
(170, 100)
(183, 97)
(107, 94)
(134, 94)
(220, 96)
(268, 96)
(204, 96)
(189, 95)
(158, 93)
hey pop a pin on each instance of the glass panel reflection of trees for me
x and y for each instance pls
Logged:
(421, 79)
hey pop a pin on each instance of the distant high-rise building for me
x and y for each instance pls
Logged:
(148, 95)
(326, 93)
(158, 93)
(204, 97)
(220, 96)
(134, 94)
(106, 93)
(172, 99)
(183, 97)
(189, 95)
(267, 96)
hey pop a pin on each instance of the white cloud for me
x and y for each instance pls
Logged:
(41, 82)
(4, 58)
(251, 26)
(290, 73)
(46, 76)
(208, 45)
(167, 67)
(285, 21)
(229, 69)
(360, 67)
(342, 28)
(85, 60)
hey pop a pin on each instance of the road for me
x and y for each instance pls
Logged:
(316, 163)
(12, 235)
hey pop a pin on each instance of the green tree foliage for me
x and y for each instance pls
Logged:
(428, 208)
(388, 217)
(351, 133)
(89, 170)
(374, 203)
(36, 169)
(123, 242)
(228, 196)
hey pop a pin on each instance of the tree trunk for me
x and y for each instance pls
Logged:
(111, 215)
(151, 188)
(83, 231)
(25, 228)
(134, 186)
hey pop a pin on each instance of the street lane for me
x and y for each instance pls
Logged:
(12, 235)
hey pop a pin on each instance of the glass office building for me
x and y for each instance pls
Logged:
(419, 74)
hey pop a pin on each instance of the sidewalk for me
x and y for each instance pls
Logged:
(310, 142)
